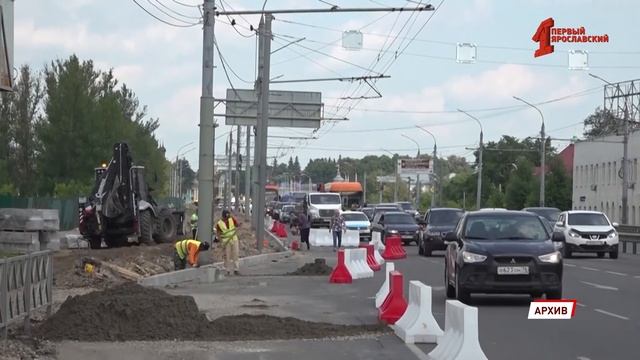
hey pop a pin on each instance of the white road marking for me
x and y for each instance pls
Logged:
(570, 265)
(598, 286)
(437, 288)
(582, 358)
(616, 273)
(417, 352)
(581, 305)
(589, 268)
(612, 314)
(637, 276)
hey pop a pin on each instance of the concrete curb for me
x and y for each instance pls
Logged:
(259, 259)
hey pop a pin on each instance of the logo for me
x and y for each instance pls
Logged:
(595, 237)
(546, 34)
(552, 309)
(513, 261)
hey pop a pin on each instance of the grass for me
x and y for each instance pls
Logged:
(8, 254)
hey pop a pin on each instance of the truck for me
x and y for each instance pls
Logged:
(120, 209)
(321, 207)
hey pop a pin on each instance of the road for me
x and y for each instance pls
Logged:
(606, 324)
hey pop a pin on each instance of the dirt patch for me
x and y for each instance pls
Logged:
(27, 349)
(318, 267)
(132, 312)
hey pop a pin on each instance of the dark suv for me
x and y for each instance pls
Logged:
(396, 222)
(502, 252)
(437, 223)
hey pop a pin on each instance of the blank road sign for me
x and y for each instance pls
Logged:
(578, 60)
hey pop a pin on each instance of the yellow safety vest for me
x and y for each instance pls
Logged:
(183, 246)
(228, 232)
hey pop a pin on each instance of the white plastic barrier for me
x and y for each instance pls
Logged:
(376, 254)
(356, 262)
(351, 238)
(376, 241)
(418, 325)
(320, 237)
(460, 340)
(384, 289)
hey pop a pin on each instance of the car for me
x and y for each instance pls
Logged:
(502, 252)
(382, 208)
(396, 222)
(367, 211)
(549, 213)
(393, 205)
(438, 222)
(408, 208)
(321, 207)
(493, 209)
(287, 211)
(357, 220)
(587, 232)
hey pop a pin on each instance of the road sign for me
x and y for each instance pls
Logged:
(415, 167)
(6, 45)
(298, 109)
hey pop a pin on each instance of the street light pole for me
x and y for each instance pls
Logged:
(480, 150)
(435, 166)
(417, 175)
(543, 156)
(395, 182)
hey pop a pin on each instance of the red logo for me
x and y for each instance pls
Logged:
(546, 34)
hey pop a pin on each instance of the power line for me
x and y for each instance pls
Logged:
(162, 20)
(166, 13)
(232, 22)
(176, 12)
(186, 5)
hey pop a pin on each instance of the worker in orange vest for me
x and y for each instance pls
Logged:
(188, 251)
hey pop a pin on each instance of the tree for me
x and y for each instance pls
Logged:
(601, 123)
(558, 186)
(520, 185)
(188, 175)
(321, 170)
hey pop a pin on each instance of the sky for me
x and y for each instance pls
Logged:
(162, 64)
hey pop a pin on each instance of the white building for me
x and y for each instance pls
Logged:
(597, 177)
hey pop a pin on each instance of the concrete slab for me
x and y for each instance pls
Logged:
(29, 219)
(19, 241)
(202, 275)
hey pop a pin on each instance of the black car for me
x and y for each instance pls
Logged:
(438, 222)
(396, 222)
(408, 208)
(502, 252)
(549, 213)
(383, 209)
(367, 211)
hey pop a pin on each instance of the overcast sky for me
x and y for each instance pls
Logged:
(162, 64)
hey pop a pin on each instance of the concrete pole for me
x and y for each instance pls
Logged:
(543, 168)
(479, 190)
(417, 191)
(435, 171)
(237, 187)
(207, 130)
(395, 189)
(624, 216)
(247, 173)
(364, 188)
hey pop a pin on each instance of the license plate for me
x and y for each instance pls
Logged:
(407, 236)
(594, 242)
(513, 270)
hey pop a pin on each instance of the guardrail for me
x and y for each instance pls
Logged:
(629, 235)
(26, 285)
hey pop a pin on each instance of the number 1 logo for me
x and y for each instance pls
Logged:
(543, 38)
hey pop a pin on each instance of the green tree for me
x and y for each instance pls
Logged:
(601, 123)
(520, 185)
(558, 186)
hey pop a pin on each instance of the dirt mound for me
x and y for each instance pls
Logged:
(125, 312)
(132, 312)
(318, 267)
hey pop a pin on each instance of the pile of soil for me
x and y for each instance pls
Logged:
(318, 267)
(132, 312)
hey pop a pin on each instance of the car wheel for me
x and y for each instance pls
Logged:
(566, 253)
(554, 295)
(614, 253)
(462, 295)
(451, 291)
(601, 254)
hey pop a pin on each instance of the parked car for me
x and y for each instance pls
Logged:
(408, 208)
(367, 211)
(502, 252)
(287, 212)
(587, 232)
(438, 222)
(549, 213)
(396, 222)
(357, 220)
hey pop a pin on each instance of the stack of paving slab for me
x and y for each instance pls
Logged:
(27, 230)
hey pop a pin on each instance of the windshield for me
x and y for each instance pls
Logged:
(398, 219)
(325, 199)
(367, 212)
(406, 206)
(549, 214)
(355, 217)
(588, 219)
(444, 217)
(505, 227)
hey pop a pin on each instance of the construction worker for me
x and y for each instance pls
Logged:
(188, 251)
(226, 233)
(194, 224)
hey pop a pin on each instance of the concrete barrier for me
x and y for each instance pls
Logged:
(202, 275)
(351, 238)
(19, 241)
(418, 325)
(320, 237)
(384, 289)
(395, 305)
(460, 340)
(376, 240)
(29, 219)
(356, 262)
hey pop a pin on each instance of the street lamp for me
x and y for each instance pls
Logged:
(435, 158)
(174, 188)
(395, 183)
(543, 156)
(302, 173)
(480, 148)
(417, 175)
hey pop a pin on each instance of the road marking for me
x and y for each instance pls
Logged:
(598, 286)
(616, 273)
(637, 276)
(417, 352)
(570, 265)
(437, 288)
(589, 268)
(612, 314)
(581, 305)
(582, 358)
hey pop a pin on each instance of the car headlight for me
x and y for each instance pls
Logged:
(612, 235)
(574, 234)
(393, 231)
(470, 257)
(553, 257)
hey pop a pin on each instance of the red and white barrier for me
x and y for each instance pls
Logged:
(395, 305)
(356, 262)
(340, 273)
(460, 340)
(371, 260)
(351, 238)
(393, 248)
(320, 237)
(381, 295)
(418, 325)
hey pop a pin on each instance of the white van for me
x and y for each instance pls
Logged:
(322, 206)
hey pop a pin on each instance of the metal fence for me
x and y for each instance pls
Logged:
(26, 285)
(629, 238)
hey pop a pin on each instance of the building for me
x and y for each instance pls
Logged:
(597, 177)
(566, 156)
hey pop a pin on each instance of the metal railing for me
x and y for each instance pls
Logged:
(26, 285)
(629, 235)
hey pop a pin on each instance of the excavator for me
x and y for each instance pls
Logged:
(120, 210)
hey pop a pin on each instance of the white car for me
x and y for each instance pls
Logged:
(587, 231)
(357, 220)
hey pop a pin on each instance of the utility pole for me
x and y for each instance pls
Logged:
(395, 183)
(480, 150)
(229, 177)
(543, 141)
(435, 171)
(237, 187)
(417, 191)
(207, 130)
(247, 174)
(624, 218)
(364, 188)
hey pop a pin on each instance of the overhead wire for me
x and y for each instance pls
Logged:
(187, 25)
(186, 5)
(177, 12)
(168, 14)
(233, 23)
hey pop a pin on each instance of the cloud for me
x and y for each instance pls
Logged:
(496, 84)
